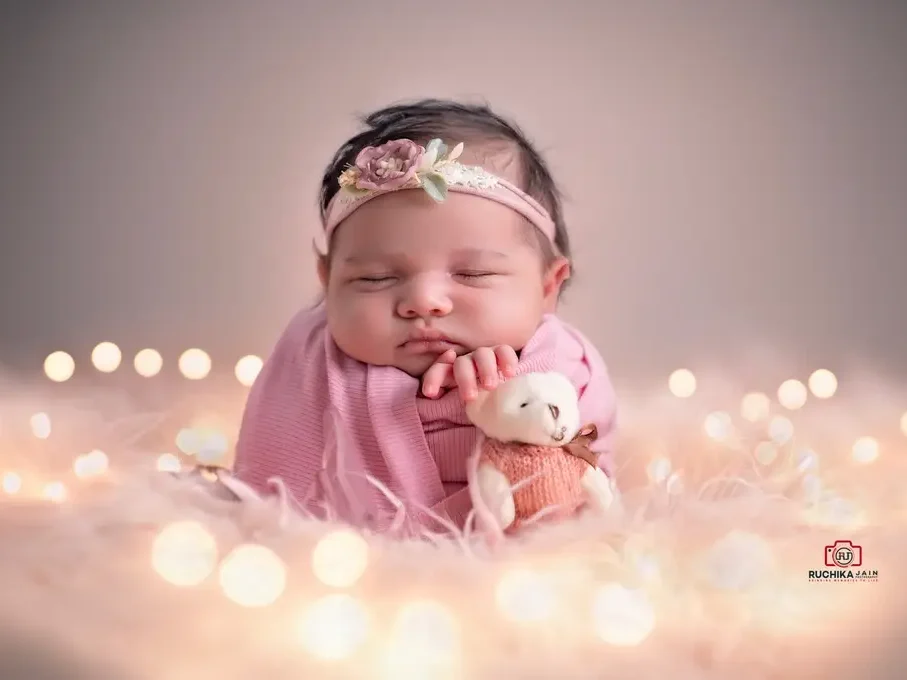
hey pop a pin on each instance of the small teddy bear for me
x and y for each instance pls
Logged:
(535, 457)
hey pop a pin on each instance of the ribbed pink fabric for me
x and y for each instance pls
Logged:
(321, 421)
(450, 437)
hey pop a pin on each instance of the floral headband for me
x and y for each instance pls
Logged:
(403, 164)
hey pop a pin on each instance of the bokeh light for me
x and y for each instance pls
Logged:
(718, 425)
(781, 430)
(247, 369)
(195, 364)
(190, 440)
(54, 491)
(823, 384)
(755, 406)
(91, 464)
(340, 558)
(792, 394)
(40, 425)
(622, 617)
(12, 483)
(682, 383)
(865, 450)
(525, 596)
(168, 462)
(658, 469)
(148, 362)
(208, 444)
(334, 627)
(424, 641)
(765, 453)
(253, 576)
(106, 357)
(904, 424)
(59, 366)
(184, 553)
(213, 447)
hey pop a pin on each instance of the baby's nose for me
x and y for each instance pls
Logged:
(424, 297)
(555, 411)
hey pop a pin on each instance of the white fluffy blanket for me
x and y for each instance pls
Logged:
(111, 568)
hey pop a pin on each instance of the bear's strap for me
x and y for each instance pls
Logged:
(580, 445)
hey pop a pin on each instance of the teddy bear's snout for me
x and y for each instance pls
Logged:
(555, 411)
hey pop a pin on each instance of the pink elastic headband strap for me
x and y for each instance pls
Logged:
(403, 165)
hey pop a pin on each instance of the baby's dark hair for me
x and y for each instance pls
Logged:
(454, 122)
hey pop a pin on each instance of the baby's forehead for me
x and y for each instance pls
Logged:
(409, 221)
(497, 157)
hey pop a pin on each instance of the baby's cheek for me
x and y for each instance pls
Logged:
(358, 324)
(506, 316)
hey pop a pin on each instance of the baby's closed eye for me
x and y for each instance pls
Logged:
(374, 281)
(476, 276)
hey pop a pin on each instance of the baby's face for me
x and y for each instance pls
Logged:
(410, 278)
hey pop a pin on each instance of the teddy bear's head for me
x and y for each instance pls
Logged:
(535, 408)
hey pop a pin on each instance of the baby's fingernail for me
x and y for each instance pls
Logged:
(490, 382)
(469, 395)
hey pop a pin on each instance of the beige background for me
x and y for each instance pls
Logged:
(736, 171)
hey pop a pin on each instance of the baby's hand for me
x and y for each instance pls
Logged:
(482, 367)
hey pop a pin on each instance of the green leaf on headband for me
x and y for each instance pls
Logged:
(437, 146)
(436, 143)
(435, 186)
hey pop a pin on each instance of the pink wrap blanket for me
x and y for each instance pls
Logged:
(325, 423)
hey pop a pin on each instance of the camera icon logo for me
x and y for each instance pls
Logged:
(843, 555)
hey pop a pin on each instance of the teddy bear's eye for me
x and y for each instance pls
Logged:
(524, 404)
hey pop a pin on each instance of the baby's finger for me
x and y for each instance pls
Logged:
(507, 360)
(465, 374)
(487, 367)
(434, 379)
(439, 375)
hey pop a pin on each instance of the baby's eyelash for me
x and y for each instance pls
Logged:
(373, 280)
(474, 275)
(468, 275)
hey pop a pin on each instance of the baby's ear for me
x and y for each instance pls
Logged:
(556, 274)
(324, 268)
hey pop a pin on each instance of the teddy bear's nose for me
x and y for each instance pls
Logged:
(555, 411)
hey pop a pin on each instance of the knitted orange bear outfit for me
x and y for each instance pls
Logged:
(556, 473)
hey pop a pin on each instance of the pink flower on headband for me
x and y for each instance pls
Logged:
(390, 166)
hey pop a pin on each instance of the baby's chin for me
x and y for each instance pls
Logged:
(413, 364)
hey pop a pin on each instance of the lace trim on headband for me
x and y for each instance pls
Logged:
(468, 176)
(403, 164)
